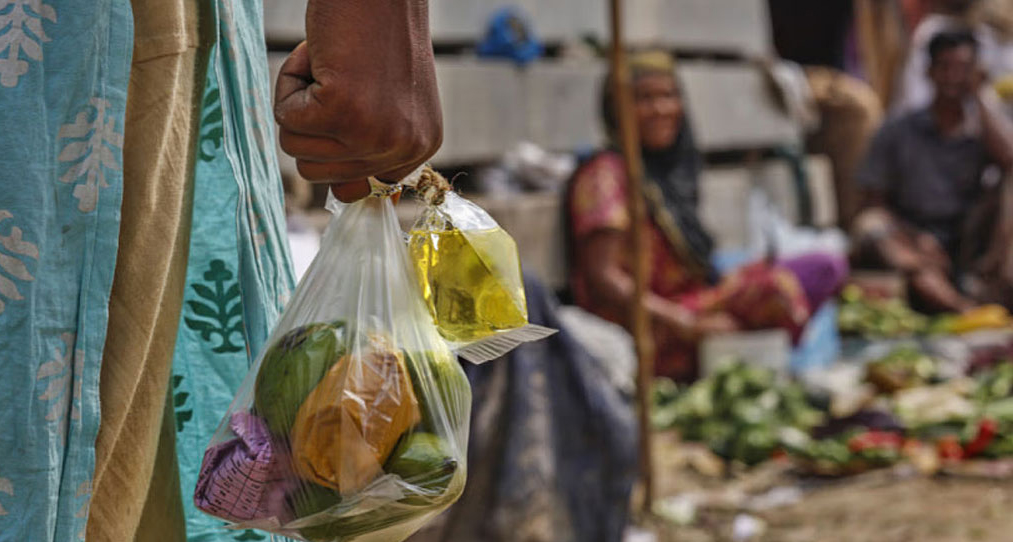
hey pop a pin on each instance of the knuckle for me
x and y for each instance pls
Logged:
(424, 144)
(280, 114)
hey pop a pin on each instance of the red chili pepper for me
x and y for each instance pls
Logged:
(875, 439)
(949, 448)
(987, 430)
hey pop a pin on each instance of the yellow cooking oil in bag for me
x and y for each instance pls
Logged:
(469, 272)
(467, 281)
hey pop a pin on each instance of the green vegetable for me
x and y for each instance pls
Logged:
(291, 368)
(350, 527)
(1000, 410)
(904, 367)
(425, 461)
(451, 388)
(872, 317)
(1002, 446)
(995, 384)
(310, 498)
(740, 412)
(421, 459)
(664, 390)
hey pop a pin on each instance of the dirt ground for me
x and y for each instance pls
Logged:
(876, 507)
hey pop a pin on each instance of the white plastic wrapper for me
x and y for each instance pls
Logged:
(353, 423)
(469, 271)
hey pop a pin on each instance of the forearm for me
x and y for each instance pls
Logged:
(367, 36)
(996, 131)
(616, 287)
(892, 239)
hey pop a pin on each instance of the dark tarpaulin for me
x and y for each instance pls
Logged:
(811, 32)
(553, 451)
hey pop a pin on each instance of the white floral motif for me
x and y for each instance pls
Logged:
(6, 486)
(15, 40)
(15, 244)
(94, 141)
(66, 385)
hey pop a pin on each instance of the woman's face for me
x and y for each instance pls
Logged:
(659, 110)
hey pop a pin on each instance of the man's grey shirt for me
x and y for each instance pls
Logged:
(929, 180)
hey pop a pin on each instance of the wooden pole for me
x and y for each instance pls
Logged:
(630, 143)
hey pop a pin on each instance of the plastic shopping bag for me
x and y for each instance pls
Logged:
(470, 274)
(353, 423)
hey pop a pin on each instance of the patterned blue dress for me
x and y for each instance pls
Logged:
(64, 71)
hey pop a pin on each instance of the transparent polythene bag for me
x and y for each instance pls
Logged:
(353, 422)
(469, 271)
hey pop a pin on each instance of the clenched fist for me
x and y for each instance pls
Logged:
(358, 98)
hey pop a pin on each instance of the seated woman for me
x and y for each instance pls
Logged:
(686, 300)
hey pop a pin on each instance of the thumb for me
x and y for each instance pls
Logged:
(291, 91)
(351, 191)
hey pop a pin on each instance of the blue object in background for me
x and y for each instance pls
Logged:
(510, 35)
(821, 342)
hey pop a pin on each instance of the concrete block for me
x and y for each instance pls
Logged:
(724, 202)
(561, 101)
(456, 21)
(483, 113)
(822, 191)
(738, 27)
(724, 197)
(732, 109)
(776, 179)
(490, 106)
(768, 349)
(284, 21)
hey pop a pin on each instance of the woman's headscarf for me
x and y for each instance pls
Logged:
(671, 186)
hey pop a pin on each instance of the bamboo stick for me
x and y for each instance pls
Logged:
(630, 142)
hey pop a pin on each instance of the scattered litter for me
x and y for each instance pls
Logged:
(636, 534)
(680, 509)
(746, 528)
(775, 498)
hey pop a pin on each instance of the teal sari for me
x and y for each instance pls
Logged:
(64, 72)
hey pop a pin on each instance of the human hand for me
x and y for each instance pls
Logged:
(932, 252)
(695, 327)
(979, 80)
(715, 323)
(358, 98)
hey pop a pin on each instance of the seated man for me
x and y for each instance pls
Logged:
(995, 50)
(924, 172)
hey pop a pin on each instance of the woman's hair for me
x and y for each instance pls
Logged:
(641, 63)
